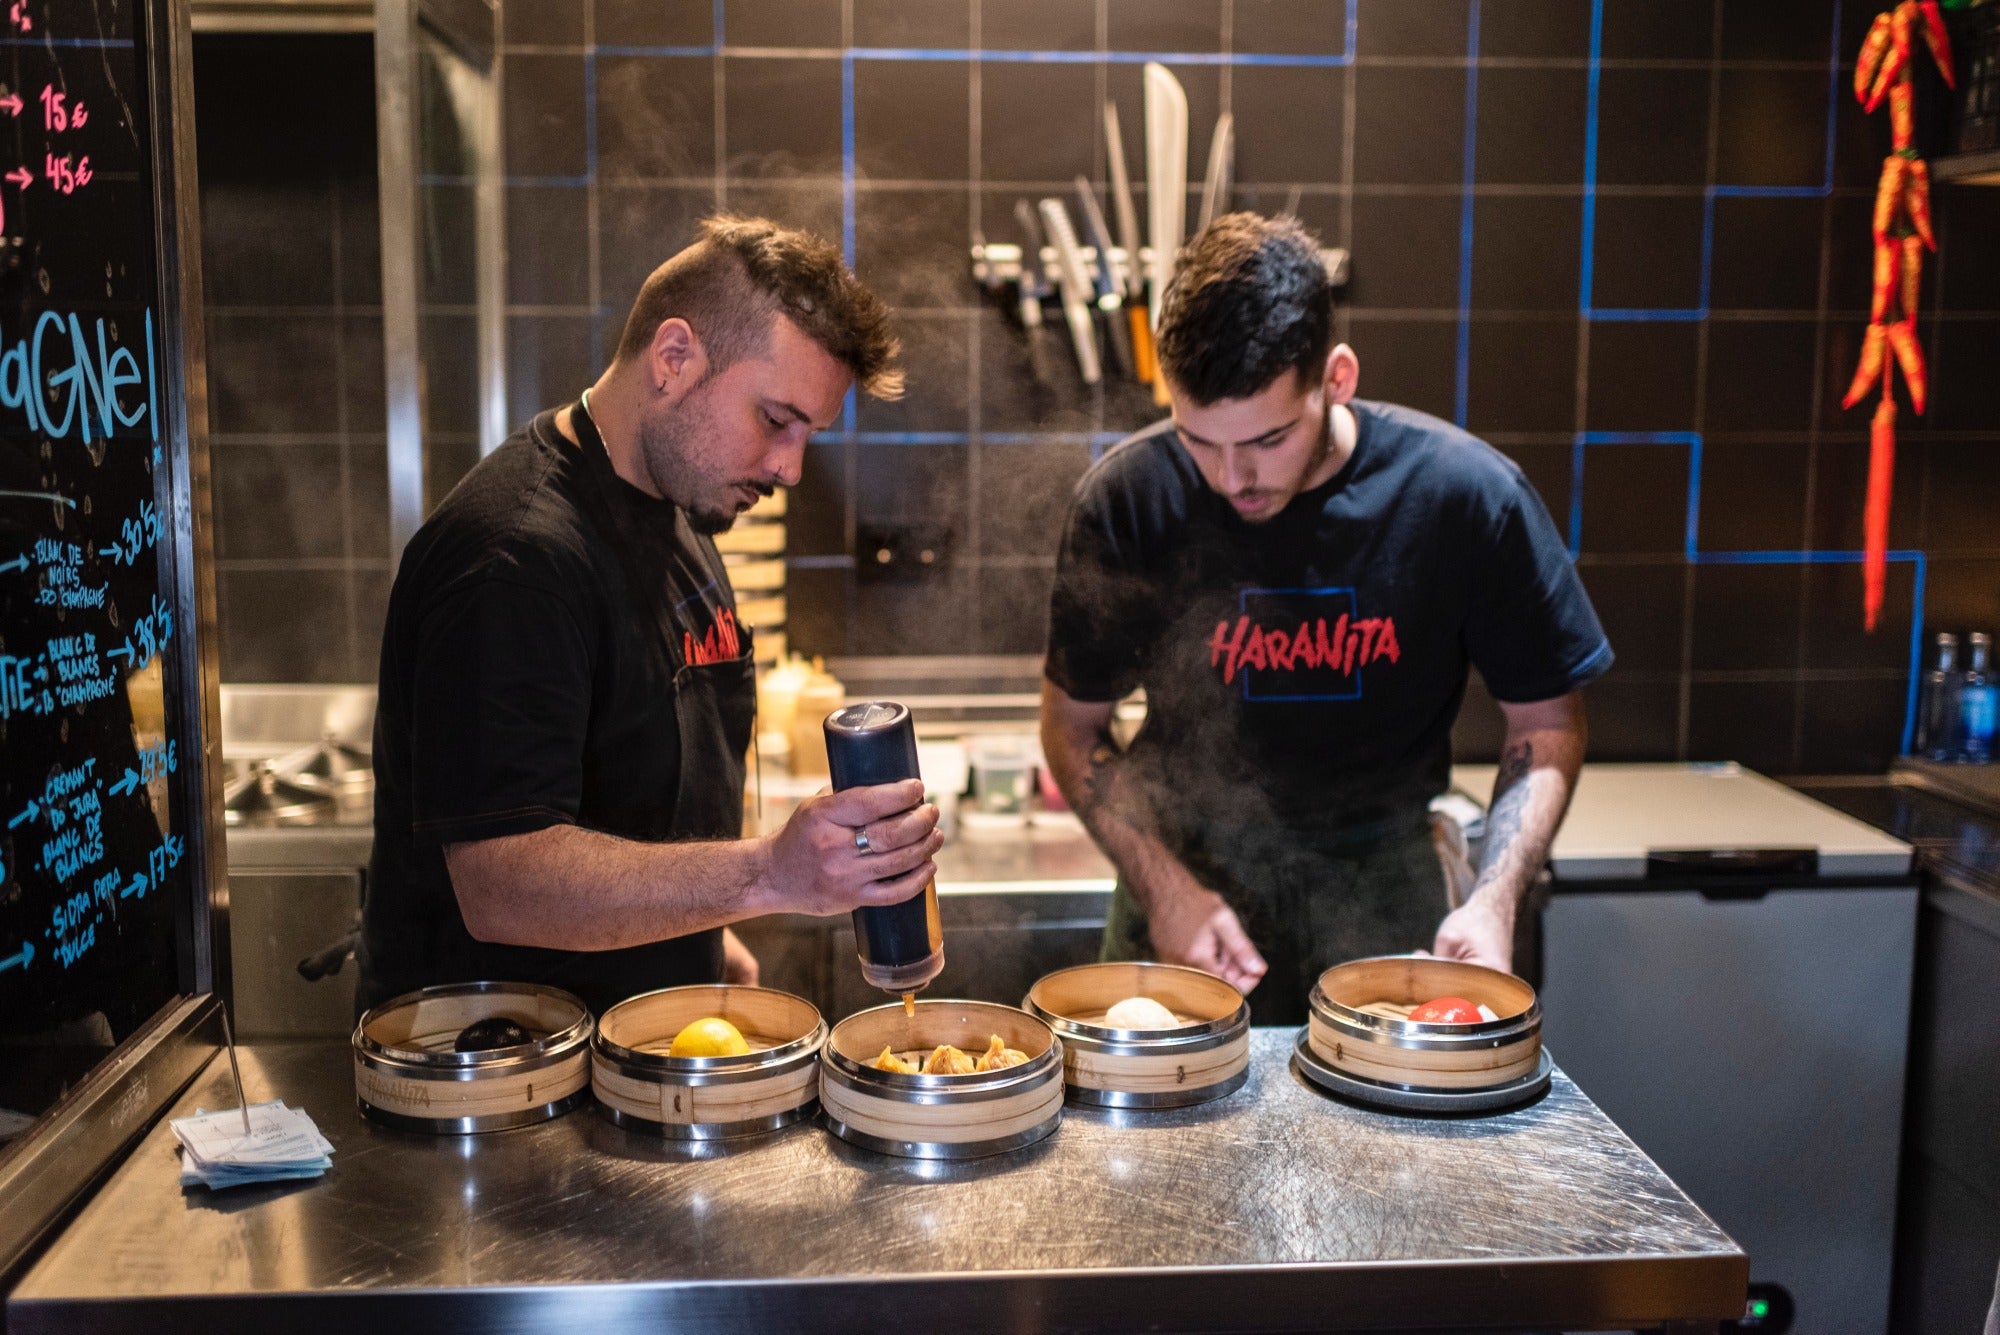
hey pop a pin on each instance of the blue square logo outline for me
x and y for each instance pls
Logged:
(1243, 597)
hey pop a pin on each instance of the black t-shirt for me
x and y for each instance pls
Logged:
(1308, 669)
(534, 630)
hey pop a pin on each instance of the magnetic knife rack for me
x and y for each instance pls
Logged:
(997, 265)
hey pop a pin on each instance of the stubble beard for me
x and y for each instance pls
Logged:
(668, 443)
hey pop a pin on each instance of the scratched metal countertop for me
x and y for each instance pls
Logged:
(1277, 1208)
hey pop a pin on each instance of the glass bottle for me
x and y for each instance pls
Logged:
(1937, 718)
(1977, 696)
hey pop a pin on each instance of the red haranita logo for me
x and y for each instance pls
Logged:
(1350, 643)
(719, 645)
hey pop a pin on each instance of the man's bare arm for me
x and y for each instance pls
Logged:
(565, 888)
(1189, 923)
(1077, 743)
(1538, 768)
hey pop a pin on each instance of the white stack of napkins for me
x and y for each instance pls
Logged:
(282, 1143)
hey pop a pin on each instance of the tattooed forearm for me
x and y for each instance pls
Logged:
(1513, 794)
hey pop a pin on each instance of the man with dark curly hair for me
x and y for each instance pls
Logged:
(1299, 579)
(566, 694)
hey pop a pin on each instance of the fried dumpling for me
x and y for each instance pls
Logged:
(889, 1061)
(947, 1060)
(998, 1056)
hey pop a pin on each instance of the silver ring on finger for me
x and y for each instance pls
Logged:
(861, 844)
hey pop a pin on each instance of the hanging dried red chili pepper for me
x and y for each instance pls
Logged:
(1902, 227)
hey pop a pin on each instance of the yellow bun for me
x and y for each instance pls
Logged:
(1140, 1013)
(709, 1037)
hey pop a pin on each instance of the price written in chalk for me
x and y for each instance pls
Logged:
(59, 112)
(75, 670)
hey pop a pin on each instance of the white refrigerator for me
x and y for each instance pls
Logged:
(1726, 969)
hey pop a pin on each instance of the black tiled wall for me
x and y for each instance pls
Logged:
(1679, 414)
(1625, 241)
(292, 277)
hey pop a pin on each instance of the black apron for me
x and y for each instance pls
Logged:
(714, 704)
(1312, 888)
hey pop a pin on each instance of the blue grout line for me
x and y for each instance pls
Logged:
(1833, 83)
(84, 43)
(715, 17)
(1576, 497)
(1694, 497)
(1353, 29)
(1691, 523)
(1811, 558)
(1586, 281)
(1464, 349)
(1771, 191)
(1916, 623)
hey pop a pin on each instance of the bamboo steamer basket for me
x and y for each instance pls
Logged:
(1410, 1055)
(640, 1087)
(941, 1116)
(1206, 1058)
(406, 1074)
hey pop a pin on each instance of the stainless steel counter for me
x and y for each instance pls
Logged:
(1275, 1209)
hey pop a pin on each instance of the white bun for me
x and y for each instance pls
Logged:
(1140, 1013)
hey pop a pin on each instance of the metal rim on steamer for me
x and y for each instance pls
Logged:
(934, 1149)
(450, 1065)
(761, 1064)
(1381, 1031)
(415, 1068)
(1420, 1098)
(753, 1126)
(1178, 1098)
(465, 1126)
(971, 1087)
(1140, 1042)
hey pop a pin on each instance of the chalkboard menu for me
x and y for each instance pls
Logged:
(95, 819)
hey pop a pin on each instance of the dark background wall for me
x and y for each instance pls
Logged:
(292, 276)
(1625, 241)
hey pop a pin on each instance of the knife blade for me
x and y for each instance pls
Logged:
(1216, 181)
(1166, 186)
(1074, 283)
(1128, 237)
(1033, 285)
(1110, 277)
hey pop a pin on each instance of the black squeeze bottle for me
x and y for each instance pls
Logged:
(901, 945)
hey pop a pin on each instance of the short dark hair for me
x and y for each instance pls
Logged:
(1248, 301)
(739, 272)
